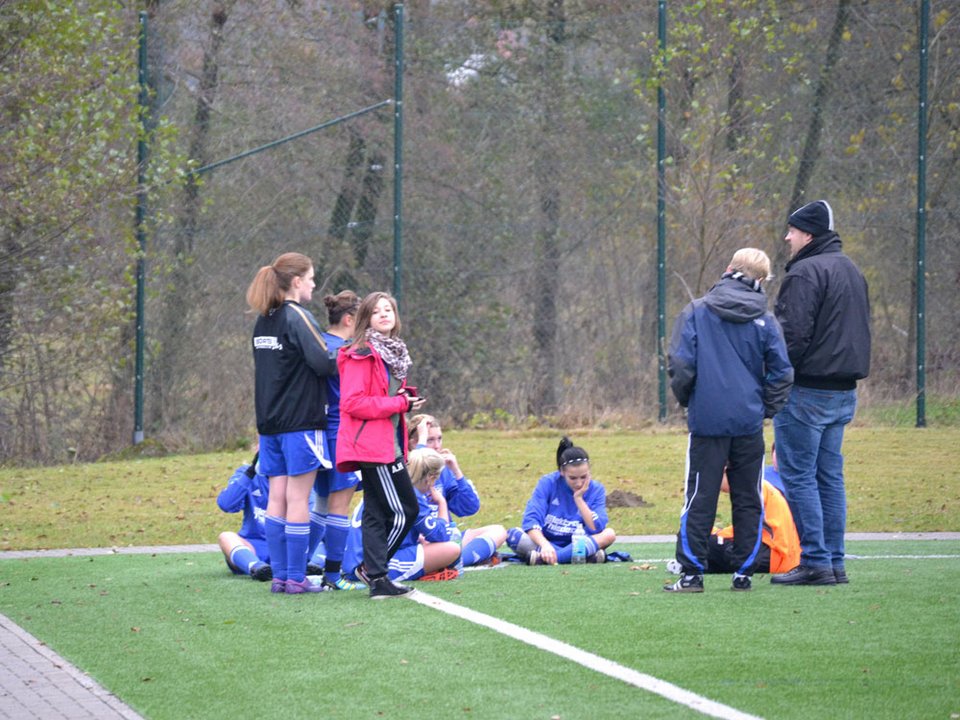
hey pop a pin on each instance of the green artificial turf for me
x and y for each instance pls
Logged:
(898, 479)
(178, 636)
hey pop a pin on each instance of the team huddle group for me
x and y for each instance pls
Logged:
(331, 410)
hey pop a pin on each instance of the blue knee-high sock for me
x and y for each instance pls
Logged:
(298, 540)
(243, 558)
(318, 525)
(338, 526)
(590, 545)
(564, 554)
(274, 529)
(477, 550)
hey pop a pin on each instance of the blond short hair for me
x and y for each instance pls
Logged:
(752, 262)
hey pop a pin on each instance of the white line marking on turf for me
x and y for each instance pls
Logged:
(848, 556)
(587, 659)
(901, 557)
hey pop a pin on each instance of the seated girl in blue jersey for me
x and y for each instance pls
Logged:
(246, 551)
(560, 502)
(427, 547)
(459, 493)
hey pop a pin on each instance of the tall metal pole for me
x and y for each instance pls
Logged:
(141, 215)
(398, 154)
(922, 220)
(661, 216)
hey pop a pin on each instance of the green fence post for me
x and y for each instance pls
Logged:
(661, 217)
(141, 214)
(922, 220)
(398, 154)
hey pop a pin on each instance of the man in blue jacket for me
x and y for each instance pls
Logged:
(728, 366)
(824, 309)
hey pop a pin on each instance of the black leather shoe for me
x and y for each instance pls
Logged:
(802, 575)
(841, 576)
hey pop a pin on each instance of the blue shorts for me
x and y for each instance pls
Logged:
(292, 453)
(406, 564)
(331, 480)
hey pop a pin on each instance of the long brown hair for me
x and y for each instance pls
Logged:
(271, 283)
(365, 312)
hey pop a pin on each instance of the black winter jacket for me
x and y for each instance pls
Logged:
(824, 310)
(291, 362)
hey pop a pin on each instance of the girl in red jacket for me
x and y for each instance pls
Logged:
(373, 437)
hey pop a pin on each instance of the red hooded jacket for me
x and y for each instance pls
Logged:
(366, 407)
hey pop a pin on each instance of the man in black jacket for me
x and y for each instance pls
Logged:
(824, 310)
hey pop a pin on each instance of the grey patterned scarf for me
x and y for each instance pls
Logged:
(393, 351)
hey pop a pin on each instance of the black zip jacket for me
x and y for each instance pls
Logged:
(824, 310)
(291, 361)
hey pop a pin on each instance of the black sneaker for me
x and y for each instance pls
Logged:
(383, 587)
(686, 584)
(261, 572)
(840, 575)
(803, 575)
(741, 582)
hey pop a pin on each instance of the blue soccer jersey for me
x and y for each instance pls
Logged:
(553, 509)
(461, 495)
(248, 493)
(334, 343)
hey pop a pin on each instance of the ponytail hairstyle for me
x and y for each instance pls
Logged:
(421, 464)
(343, 303)
(570, 454)
(365, 312)
(272, 282)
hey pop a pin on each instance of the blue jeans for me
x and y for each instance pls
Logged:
(809, 436)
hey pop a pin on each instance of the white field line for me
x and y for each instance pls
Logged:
(846, 557)
(588, 660)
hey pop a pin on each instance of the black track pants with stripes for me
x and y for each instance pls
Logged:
(389, 511)
(707, 459)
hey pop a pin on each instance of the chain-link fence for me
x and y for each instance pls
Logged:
(529, 262)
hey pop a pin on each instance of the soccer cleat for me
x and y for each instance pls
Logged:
(492, 561)
(803, 575)
(297, 587)
(261, 572)
(383, 587)
(686, 584)
(741, 582)
(440, 575)
(674, 567)
(361, 572)
(533, 558)
(314, 569)
(840, 575)
(278, 586)
(341, 583)
(599, 557)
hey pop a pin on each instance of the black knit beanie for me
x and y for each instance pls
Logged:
(815, 218)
